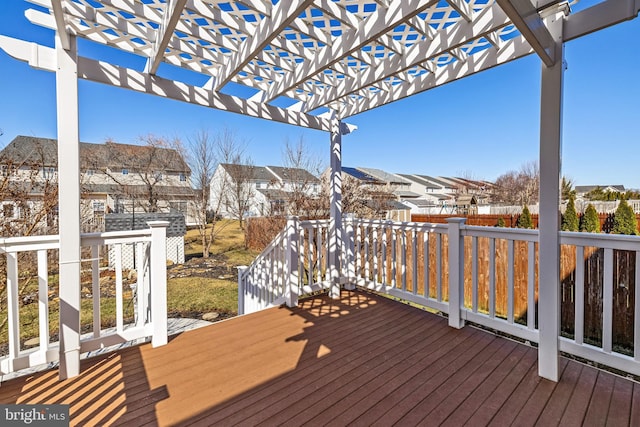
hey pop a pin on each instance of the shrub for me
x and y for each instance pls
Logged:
(501, 222)
(524, 220)
(624, 221)
(570, 218)
(590, 221)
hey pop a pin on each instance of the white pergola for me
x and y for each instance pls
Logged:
(310, 63)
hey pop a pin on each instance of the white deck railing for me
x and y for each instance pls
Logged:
(294, 264)
(485, 275)
(149, 302)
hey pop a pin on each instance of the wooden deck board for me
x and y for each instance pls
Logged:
(361, 360)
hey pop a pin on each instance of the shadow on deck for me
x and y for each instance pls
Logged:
(363, 359)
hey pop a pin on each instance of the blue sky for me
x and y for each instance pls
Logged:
(480, 127)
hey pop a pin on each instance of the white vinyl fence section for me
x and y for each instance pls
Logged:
(149, 293)
(450, 268)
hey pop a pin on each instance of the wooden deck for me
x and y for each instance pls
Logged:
(363, 360)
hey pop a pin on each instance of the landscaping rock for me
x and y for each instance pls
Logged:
(209, 317)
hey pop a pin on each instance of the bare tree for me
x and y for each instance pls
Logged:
(206, 152)
(302, 168)
(29, 188)
(139, 170)
(364, 200)
(231, 189)
(518, 187)
(239, 192)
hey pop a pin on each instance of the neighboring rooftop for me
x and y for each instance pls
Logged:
(35, 151)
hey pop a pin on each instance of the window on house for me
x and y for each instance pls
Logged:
(4, 170)
(183, 177)
(48, 172)
(24, 211)
(90, 172)
(7, 210)
(98, 206)
(157, 176)
(125, 171)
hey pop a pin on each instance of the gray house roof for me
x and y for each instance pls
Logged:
(248, 172)
(138, 221)
(441, 183)
(383, 176)
(587, 188)
(293, 174)
(361, 175)
(419, 180)
(35, 151)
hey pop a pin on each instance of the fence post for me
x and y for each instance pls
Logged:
(456, 271)
(350, 250)
(291, 290)
(242, 269)
(158, 287)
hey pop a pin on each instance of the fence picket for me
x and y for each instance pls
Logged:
(579, 297)
(492, 277)
(474, 274)
(510, 281)
(607, 302)
(531, 286)
(43, 300)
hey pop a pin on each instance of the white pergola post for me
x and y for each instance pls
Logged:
(68, 207)
(549, 224)
(335, 213)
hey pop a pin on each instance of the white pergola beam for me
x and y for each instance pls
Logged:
(113, 75)
(489, 58)
(282, 14)
(463, 8)
(164, 33)
(488, 20)
(602, 15)
(525, 17)
(61, 28)
(367, 31)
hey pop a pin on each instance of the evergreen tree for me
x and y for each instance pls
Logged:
(501, 222)
(567, 188)
(524, 220)
(590, 221)
(624, 222)
(570, 218)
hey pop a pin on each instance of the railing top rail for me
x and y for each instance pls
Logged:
(521, 234)
(29, 243)
(397, 225)
(33, 243)
(600, 240)
(313, 223)
(117, 234)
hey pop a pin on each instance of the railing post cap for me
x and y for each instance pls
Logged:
(158, 224)
(456, 220)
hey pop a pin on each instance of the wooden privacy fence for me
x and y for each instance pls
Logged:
(491, 220)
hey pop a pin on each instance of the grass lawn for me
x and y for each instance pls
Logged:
(186, 296)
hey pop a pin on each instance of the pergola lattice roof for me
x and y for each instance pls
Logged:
(300, 61)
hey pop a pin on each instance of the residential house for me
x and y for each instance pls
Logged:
(583, 190)
(115, 178)
(259, 190)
